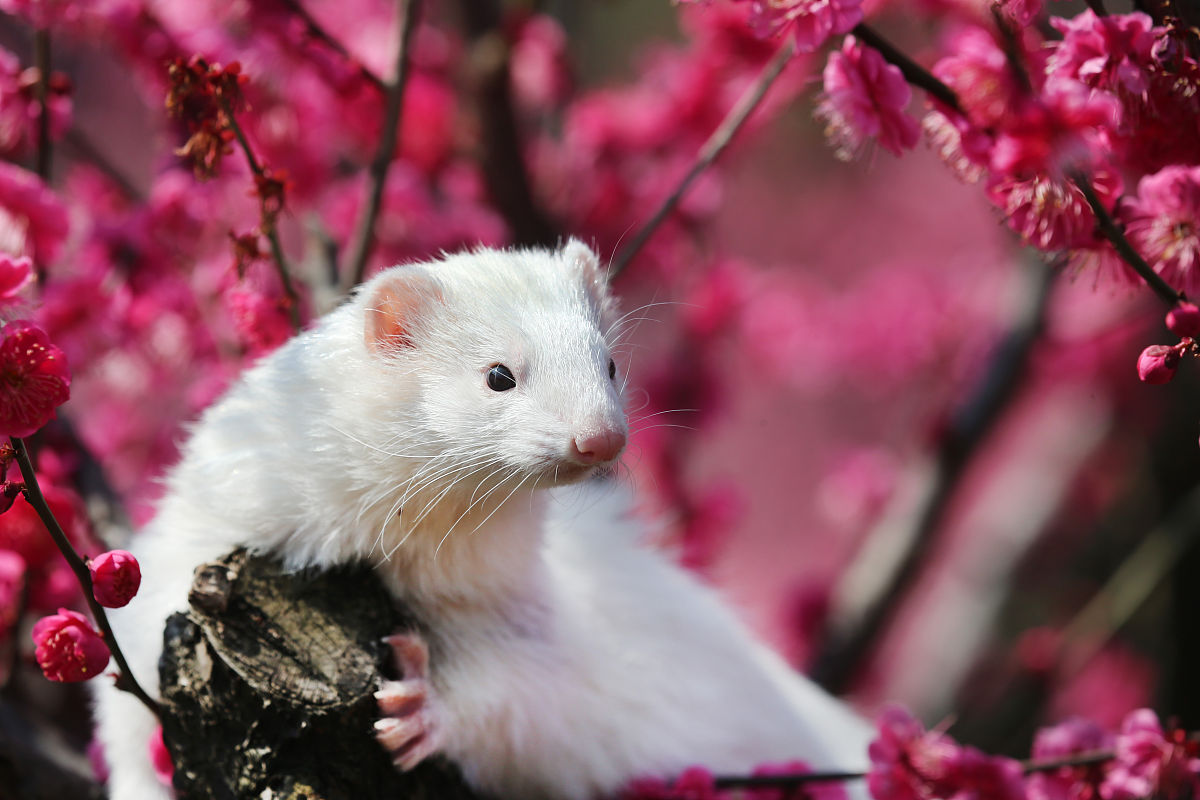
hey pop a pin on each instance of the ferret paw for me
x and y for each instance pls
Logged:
(410, 729)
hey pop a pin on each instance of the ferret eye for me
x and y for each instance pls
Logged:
(612, 370)
(500, 378)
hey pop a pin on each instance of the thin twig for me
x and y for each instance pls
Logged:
(889, 563)
(712, 148)
(364, 237)
(1028, 766)
(41, 60)
(317, 31)
(268, 228)
(33, 493)
(1116, 235)
(502, 153)
(913, 72)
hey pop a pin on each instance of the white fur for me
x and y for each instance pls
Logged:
(566, 658)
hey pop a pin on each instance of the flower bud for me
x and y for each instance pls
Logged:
(160, 757)
(68, 649)
(116, 577)
(1184, 320)
(1157, 363)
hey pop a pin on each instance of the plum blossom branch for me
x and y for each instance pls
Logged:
(709, 153)
(41, 58)
(913, 72)
(364, 237)
(1116, 236)
(317, 31)
(33, 494)
(268, 218)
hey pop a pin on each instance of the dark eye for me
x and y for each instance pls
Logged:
(500, 378)
(612, 369)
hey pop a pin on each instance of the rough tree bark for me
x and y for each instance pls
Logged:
(268, 682)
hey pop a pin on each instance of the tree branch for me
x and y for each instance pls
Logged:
(872, 590)
(712, 148)
(33, 493)
(913, 72)
(317, 31)
(41, 60)
(1116, 236)
(268, 227)
(364, 237)
(502, 157)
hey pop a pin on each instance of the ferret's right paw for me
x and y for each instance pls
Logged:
(410, 729)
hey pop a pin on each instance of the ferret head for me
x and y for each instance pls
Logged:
(502, 371)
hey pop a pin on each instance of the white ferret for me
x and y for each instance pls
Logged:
(431, 425)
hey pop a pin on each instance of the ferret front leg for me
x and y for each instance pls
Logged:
(411, 726)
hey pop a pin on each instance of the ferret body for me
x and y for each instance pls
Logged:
(565, 658)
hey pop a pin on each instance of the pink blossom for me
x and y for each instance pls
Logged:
(908, 763)
(1068, 738)
(865, 97)
(68, 649)
(160, 757)
(1112, 53)
(978, 776)
(1051, 213)
(262, 322)
(1022, 12)
(116, 577)
(811, 21)
(1065, 127)
(20, 109)
(539, 66)
(15, 275)
(33, 220)
(694, 783)
(1184, 320)
(12, 584)
(978, 72)
(1157, 364)
(44, 13)
(1163, 223)
(34, 380)
(1150, 763)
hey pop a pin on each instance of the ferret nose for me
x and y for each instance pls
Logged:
(596, 448)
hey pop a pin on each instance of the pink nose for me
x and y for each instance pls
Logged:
(596, 448)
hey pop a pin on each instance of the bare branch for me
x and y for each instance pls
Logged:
(364, 237)
(712, 148)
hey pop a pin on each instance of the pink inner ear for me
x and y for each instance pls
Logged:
(390, 316)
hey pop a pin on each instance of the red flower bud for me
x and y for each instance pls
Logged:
(68, 648)
(160, 757)
(1184, 320)
(116, 577)
(1157, 363)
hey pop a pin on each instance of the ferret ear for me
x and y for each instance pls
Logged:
(396, 303)
(582, 258)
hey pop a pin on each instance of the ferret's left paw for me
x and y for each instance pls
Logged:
(410, 729)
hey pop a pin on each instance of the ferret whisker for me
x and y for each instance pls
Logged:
(501, 504)
(661, 425)
(634, 421)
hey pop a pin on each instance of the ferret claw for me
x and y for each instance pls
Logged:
(409, 728)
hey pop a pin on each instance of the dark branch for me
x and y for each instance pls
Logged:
(33, 493)
(268, 227)
(41, 60)
(712, 148)
(865, 608)
(364, 237)
(501, 156)
(913, 72)
(317, 31)
(1116, 236)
